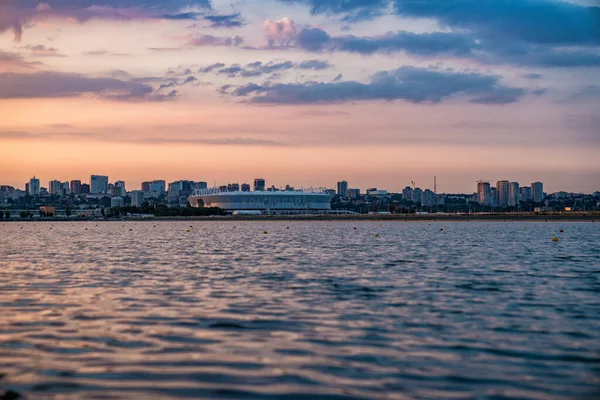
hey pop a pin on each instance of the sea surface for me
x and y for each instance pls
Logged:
(300, 310)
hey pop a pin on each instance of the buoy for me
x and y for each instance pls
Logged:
(354, 228)
(187, 230)
(555, 239)
(265, 232)
(377, 235)
(561, 231)
(441, 229)
(130, 230)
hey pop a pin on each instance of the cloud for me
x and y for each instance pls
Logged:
(42, 51)
(17, 14)
(353, 10)
(317, 65)
(225, 21)
(14, 62)
(211, 67)
(438, 44)
(423, 44)
(57, 85)
(218, 141)
(535, 21)
(281, 32)
(258, 68)
(416, 85)
(201, 40)
(532, 76)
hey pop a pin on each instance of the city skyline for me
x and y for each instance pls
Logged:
(305, 91)
(504, 192)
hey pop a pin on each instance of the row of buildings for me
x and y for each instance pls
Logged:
(508, 194)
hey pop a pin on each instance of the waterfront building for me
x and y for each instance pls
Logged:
(233, 187)
(85, 188)
(513, 194)
(417, 193)
(281, 201)
(407, 193)
(427, 198)
(484, 193)
(137, 198)
(245, 187)
(98, 184)
(75, 186)
(54, 187)
(259, 185)
(158, 186)
(342, 189)
(525, 193)
(34, 187)
(354, 193)
(537, 191)
(146, 186)
(117, 202)
(502, 193)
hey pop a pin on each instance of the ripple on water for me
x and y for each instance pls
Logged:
(312, 310)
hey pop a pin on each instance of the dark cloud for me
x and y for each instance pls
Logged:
(535, 21)
(15, 14)
(189, 79)
(210, 40)
(258, 68)
(439, 44)
(211, 67)
(421, 44)
(57, 85)
(352, 10)
(225, 21)
(416, 85)
(317, 65)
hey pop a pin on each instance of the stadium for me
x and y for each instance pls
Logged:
(306, 201)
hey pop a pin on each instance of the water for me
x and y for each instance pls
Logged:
(146, 310)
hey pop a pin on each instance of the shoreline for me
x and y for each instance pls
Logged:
(346, 218)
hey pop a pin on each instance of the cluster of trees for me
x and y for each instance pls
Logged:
(161, 210)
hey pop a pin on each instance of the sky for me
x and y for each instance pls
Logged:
(302, 92)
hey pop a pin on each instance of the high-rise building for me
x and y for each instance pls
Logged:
(34, 187)
(119, 189)
(354, 193)
(525, 193)
(137, 198)
(417, 193)
(201, 185)
(76, 187)
(85, 188)
(146, 186)
(98, 184)
(65, 189)
(158, 186)
(259, 184)
(484, 193)
(427, 198)
(407, 193)
(342, 189)
(537, 191)
(54, 187)
(502, 193)
(245, 187)
(117, 202)
(513, 194)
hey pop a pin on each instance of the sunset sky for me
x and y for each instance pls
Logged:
(302, 92)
